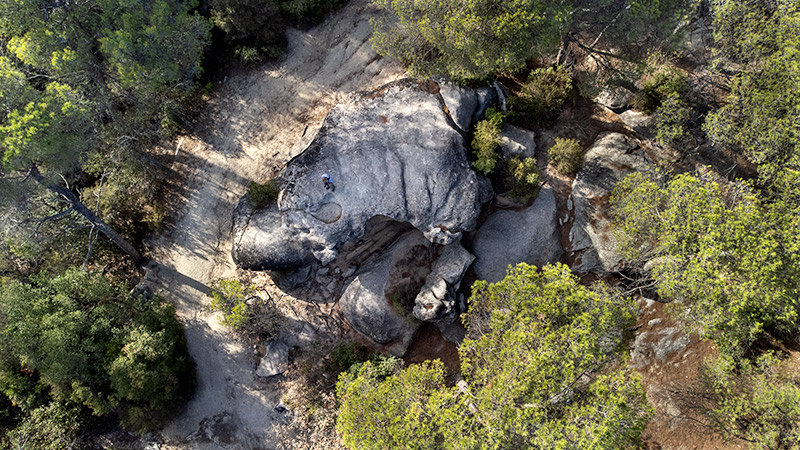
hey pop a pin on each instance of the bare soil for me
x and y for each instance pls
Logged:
(253, 124)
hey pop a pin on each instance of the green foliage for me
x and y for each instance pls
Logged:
(485, 144)
(391, 413)
(50, 131)
(545, 91)
(256, 29)
(525, 177)
(758, 402)
(729, 260)
(761, 115)
(53, 426)
(661, 80)
(152, 46)
(82, 342)
(467, 40)
(232, 298)
(671, 120)
(243, 311)
(263, 194)
(566, 156)
(536, 344)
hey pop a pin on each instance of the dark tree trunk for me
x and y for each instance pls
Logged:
(90, 216)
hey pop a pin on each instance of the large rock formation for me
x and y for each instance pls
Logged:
(377, 303)
(511, 237)
(393, 152)
(606, 163)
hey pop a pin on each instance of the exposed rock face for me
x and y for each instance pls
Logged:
(487, 97)
(511, 237)
(461, 102)
(637, 121)
(437, 299)
(393, 153)
(377, 303)
(516, 141)
(606, 163)
(275, 360)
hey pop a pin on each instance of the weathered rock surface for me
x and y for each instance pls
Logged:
(392, 153)
(606, 163)
(377, 303)
(275, 360)
(511, 237)
(657, 344)
(437, 299)
(460, 101)
(637, 121)
(516, 141)
(615, 98)
(487, 97)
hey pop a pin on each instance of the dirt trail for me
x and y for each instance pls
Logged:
(250, 129)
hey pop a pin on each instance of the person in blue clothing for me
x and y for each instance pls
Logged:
(327, 181)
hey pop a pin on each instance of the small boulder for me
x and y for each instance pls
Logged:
(461, 102)
(487, 97)
(516, 141)
(437, 299)
(616, 98)
(275, 360)
(637, 121)
(511, 237)
(612, 157)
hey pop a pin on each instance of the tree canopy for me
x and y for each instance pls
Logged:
(761, 116)
(78, 341)
(729, 260)
(477, 39)
(539, 372)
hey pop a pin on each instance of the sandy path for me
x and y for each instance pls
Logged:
(254, 124)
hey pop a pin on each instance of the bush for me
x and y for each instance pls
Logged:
(670, 121)
(566, 156)
(758, 401)
(262, 194)
(525, 177)
(660, 80)
(545, 92)
(485, 143)
(243, 311)
(230, 298)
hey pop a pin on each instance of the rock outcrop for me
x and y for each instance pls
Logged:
(393, 152)
(511, 237)
(377, 303)
(606, 163)
(275, 360)
(437, 299)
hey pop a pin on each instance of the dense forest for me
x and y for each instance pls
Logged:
(88, 89)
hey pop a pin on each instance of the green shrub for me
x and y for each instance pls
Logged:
(566, 156)
(758, 401)
(262, 194)
(660, 80)
(230, 297)
(485, 143)
(670, 121)
(525, 176)
(545, 92)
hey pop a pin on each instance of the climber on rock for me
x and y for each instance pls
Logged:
(327, 181)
